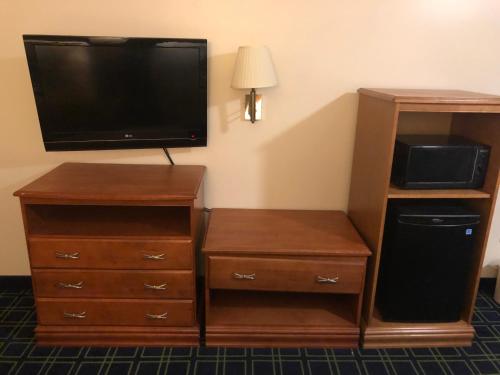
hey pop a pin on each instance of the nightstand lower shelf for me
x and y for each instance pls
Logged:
(260, 319)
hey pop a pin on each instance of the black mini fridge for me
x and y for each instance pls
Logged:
(426, 257)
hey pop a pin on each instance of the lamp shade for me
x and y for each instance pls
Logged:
(253, 68)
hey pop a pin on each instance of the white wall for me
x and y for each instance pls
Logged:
(492, 257)
(300, 155)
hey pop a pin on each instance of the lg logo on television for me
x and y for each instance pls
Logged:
(129, 136)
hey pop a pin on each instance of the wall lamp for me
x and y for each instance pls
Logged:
(253, 69)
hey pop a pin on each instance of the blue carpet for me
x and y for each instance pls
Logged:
(19, 355)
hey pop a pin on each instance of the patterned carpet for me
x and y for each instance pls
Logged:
(19, 355)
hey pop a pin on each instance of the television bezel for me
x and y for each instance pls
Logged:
(114, 139)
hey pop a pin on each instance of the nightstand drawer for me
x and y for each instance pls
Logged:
(64, 311)
(113, 284)
(339, 275)
(109, 253)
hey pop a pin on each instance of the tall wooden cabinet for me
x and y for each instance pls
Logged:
(382, 114)
(112, 253)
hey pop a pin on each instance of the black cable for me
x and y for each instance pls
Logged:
(165, 150)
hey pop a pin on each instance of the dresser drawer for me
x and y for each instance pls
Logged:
(64, 311)
(338, 275)
(112, 254)
(113, 284)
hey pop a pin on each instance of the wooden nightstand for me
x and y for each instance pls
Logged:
(283, 278)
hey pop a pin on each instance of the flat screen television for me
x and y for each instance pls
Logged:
(114, 92)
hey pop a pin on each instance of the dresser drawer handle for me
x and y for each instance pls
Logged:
(154, 256)
(81, 315)
(78, 285)
(243, 276)
(327, 280)
(155, 287)
(157, 316)
(67, 255)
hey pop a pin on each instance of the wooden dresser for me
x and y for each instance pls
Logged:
(112, 253)
(283, 278)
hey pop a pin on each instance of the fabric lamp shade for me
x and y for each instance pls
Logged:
(253, 68)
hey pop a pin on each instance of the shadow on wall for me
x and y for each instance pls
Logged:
(221, 95)
(309, 166)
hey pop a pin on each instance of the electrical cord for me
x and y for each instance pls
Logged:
(167, 154)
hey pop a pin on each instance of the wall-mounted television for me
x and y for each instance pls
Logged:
(117, 92)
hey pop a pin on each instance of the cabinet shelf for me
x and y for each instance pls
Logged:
(278, 309)
(116, 237)
(271, 319)
(397, 193)
(108, 221)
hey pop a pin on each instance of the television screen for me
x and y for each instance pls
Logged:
(107, 92)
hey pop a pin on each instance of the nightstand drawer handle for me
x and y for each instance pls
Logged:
(327, 280)
(67, 255)
(155, 287)
(157, 316)
(81, 315)
(154, 256)
(78, 285)
(243, 276)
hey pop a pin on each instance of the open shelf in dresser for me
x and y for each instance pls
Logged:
(107, 221)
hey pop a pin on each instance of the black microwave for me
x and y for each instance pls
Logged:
(438, 162)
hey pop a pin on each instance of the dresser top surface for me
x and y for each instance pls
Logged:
(116, 182)
(425, 96)
(290, 232)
